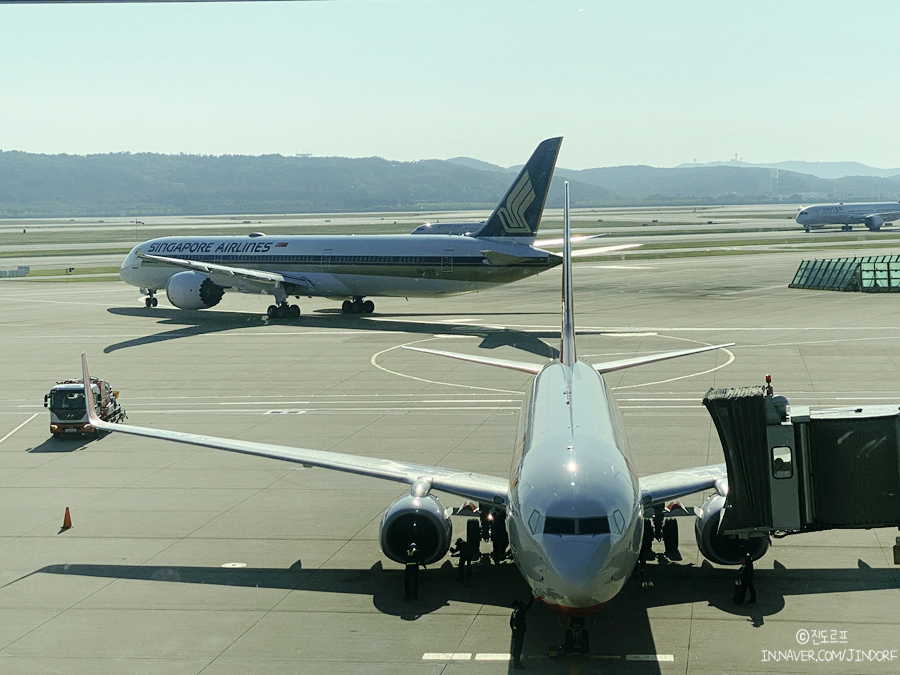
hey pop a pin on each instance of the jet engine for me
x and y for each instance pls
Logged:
(720, 548)
(422, 520)
(193, 290)
(874, 222)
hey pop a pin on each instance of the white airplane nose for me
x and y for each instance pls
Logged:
(128, 271)
(577, 560)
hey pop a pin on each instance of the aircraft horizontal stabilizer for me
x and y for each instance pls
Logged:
(600, 250)
(621, 364)
(521, 366)
(500, 259)
(577, 239)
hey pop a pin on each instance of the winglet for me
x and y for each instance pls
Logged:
(519, 212)
(89, 402)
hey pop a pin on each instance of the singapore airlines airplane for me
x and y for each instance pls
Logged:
(574, 505)
(196, 271)
(872, 215)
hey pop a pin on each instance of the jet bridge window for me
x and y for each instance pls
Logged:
(782, 462)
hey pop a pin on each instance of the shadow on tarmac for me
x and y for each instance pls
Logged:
(64, 443)
(620, 631)
(193, 323)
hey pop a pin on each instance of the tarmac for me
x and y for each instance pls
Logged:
(191, 560)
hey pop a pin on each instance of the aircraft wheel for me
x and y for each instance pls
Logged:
(358, 305)
(368, 307)
(347, 307)
(154, 302)
(294, 311)
(272, 311)
(148, 302)
(282, 311)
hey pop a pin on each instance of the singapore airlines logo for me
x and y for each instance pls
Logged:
(512, 214)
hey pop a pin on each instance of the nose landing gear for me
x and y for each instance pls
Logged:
(577, 640)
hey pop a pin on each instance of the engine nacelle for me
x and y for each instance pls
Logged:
(874, 222)
(193, 290)
(422, 520)
(719, 548)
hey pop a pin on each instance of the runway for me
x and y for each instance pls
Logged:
(194, 560)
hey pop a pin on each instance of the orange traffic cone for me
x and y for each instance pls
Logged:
(67, 520)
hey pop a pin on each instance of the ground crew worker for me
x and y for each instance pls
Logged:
(744, 581)
(465, 557)
(411, 573)
(519, 624)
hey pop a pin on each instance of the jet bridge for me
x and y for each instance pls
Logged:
(792, 470)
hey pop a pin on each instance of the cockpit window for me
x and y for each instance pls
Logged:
(535, 522)
(580, 526)
(559, 525)
(593, 525)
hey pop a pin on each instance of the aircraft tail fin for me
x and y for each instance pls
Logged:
(567, 355)
(519, 212)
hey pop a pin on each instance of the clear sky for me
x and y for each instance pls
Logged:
(637, 82)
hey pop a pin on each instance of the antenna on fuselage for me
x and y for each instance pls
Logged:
(567, 354)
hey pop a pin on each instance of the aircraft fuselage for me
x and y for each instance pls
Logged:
(575, 516)
(351, 265)
(873, 214)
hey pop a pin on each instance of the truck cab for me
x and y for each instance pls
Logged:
(68, 410)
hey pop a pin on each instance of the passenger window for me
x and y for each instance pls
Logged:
(782, 462)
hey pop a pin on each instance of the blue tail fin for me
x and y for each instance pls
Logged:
(519, 212)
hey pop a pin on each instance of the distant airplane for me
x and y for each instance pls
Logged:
(873, 215)
(573, 503)
(196, 271)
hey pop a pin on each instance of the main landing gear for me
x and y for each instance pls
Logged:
(358, 306)
(283, 310)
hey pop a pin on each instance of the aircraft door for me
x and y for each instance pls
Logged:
(326, 260)
(447, 261)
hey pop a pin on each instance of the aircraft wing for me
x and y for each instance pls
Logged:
(887, 216)
(661, 487)
(466, 484)
(238, 278)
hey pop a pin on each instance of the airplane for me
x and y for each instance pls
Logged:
(873, 215)
(574, 506)
(196, 271)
